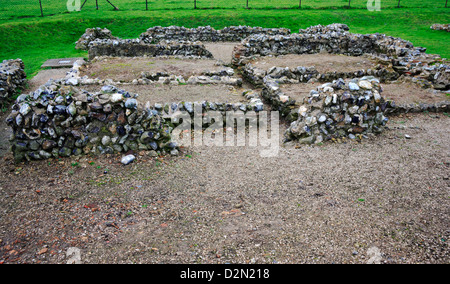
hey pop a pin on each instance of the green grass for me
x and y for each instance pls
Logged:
(36, 39)
(29, 8)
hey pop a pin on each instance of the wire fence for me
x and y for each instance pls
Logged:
(10, 9)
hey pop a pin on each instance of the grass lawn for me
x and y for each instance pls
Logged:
(36, 39)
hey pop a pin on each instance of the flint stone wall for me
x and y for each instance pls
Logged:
(302, 74)
(223, 76)
(12, 79)
(337, 110)
(289, 108)
(137, 48)
(404, 58)
(92, 35)
(59, 120)
(206, 34)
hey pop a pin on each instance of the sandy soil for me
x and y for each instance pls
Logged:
(127, 69)
(411, 93)
(179, 93)
(44, 75)
(221, 50)
(383, 200)
(323, 62)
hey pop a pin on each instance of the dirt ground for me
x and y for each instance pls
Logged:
(323, 62)
(127, 69)
(402, 93)
(43, 76)
(382, 200)
(221, 50)
(181, 93)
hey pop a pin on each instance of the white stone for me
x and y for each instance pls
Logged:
(115, 98)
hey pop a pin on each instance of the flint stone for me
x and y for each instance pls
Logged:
(128, 159)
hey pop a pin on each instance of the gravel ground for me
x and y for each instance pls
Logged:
(385, 200)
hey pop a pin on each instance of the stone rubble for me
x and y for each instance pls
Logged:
(440, 27)
(92, 35)
(12, 79)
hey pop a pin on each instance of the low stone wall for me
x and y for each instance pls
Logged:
(323, 39)
(12, 79)
(279, 101)
(92, 35)
(206, 34)
(339, 110)
(404, 58)
(60, 120)
(289, 108)
(224, 76)
(302, 74)
(440, 27)
(136, 48)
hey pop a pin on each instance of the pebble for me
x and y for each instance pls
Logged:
(128, 159)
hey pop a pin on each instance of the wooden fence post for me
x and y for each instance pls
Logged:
(398, 6)
(40, 4)
(300, 4)
(195, 4)
(349, 3)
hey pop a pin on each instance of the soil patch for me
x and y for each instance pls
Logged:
(127, 69)
(43, 76)
(406, 92)
(181, 93)
(323, 62)
(221, 51)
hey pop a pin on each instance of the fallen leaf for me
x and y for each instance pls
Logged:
(42, 251)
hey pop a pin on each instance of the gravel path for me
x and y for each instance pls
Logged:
(383, 200)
